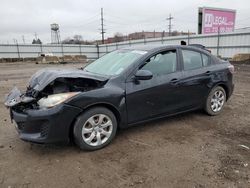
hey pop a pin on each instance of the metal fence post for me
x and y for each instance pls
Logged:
(18, 52)
(162, 36)
(98, 52)
(218, 41)
(62, 51)
(80, 49)
(41, 48)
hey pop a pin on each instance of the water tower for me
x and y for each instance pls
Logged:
(55, 34)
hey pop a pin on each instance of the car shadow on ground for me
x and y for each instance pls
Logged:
(122, 134)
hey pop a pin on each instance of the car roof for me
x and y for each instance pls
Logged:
(152, 48)
(147, 47)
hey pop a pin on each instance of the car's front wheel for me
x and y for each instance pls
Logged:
(215, 101)
(95, 128)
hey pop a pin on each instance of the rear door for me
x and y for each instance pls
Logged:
(196, 77)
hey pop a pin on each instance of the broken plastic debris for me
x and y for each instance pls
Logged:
(237, 171)
(243, 146)
(13, 97)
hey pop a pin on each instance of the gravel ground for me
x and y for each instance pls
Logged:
(189, 150)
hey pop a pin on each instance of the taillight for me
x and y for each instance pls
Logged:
(231, 68)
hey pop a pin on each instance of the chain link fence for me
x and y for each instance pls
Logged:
(222, 44)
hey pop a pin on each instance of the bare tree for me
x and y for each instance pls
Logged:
(77, 39)
(36, 41)
(118, 37)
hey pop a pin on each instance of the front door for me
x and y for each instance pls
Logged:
(158, 96)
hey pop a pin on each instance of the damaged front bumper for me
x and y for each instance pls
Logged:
(15, 97)
(41, 125)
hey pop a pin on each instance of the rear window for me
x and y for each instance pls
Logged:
(205, 60)
(191, 59)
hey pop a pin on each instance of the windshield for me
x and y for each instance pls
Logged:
(115, 62)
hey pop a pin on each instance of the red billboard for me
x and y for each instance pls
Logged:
(214, 19)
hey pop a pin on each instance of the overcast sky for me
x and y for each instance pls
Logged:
(25, 17)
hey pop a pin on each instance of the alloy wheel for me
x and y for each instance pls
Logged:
(97, 130)
(217, 101)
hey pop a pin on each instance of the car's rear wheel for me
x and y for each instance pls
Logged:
(95, 128)
(215, 101)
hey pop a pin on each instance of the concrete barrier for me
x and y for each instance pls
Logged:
(81, 58)
(47, 59)
(73, 59)
(67, 58)
(241, 57)
(10, 60)
(29, 59)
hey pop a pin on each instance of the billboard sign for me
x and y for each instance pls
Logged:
(214, 19)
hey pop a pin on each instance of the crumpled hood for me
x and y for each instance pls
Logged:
(45, 76)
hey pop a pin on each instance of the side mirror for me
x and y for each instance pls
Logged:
(143, 75)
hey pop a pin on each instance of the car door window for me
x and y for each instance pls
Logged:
(205, 60)
(161, 63)
(191, 59)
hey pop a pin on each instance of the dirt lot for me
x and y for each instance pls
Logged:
(190, 150)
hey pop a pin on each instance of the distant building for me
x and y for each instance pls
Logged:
(116, 39)
(142, 35)
(146, 34)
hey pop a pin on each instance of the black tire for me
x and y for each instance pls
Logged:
(82, 119)
(208, 105)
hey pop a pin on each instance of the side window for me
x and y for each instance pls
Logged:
(205, 60)
(162, 63)
(191, 59)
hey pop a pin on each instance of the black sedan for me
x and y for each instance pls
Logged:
(121, 89)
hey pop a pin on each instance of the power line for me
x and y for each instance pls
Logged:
(169, 24)
(84, 25)
(133, 24)
(243, 20)
(133, 21)
(91, 17)
(242, 28)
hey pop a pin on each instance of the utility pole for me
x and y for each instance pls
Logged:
(169, 24)
(102, 26)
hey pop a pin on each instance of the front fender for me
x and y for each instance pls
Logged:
(107, 96)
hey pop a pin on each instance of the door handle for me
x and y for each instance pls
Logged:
(208, 72)
(174, 81)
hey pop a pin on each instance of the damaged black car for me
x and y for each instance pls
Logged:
(120, 89)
